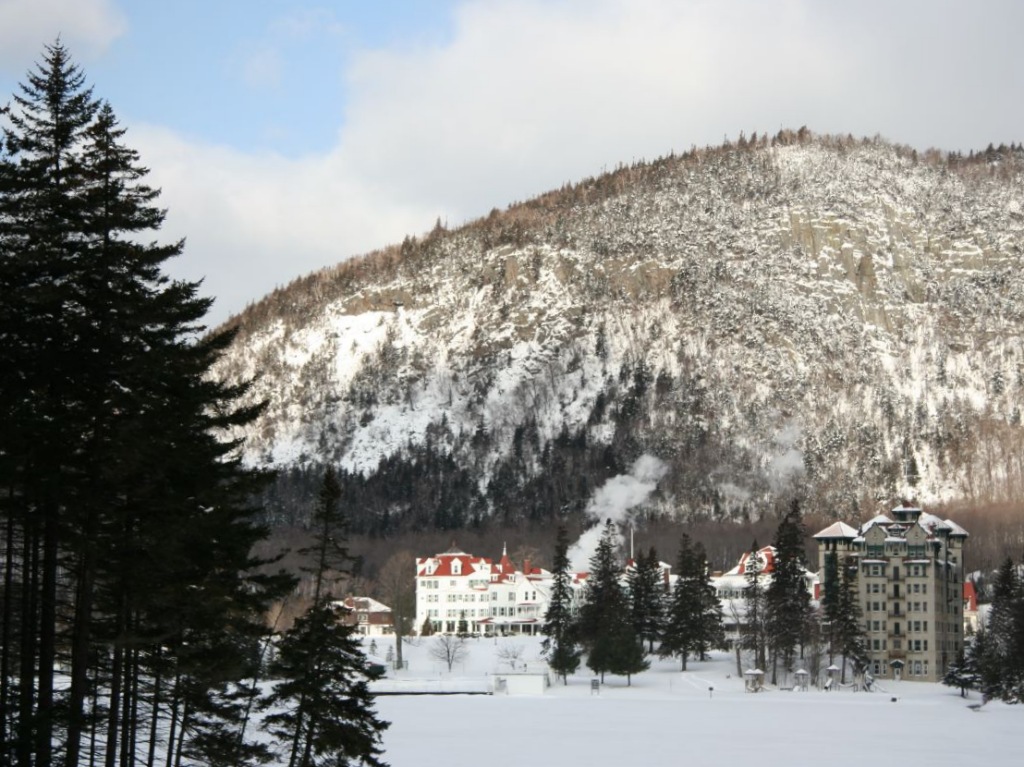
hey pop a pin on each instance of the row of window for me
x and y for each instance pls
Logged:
(528, 596)
(914, 668)
(912, 588)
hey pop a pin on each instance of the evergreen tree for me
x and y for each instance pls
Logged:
(710, 634)
(1001, 659)
(849, 629)
(560, 645)
(787, 600)
(754, 629)
(647, 597)
(961, 674)
(606, 627)
(321, 709)
(126, 514)
(680, 636)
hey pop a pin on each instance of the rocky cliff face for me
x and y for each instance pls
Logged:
(833, 317)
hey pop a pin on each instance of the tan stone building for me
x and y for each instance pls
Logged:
(910, 573)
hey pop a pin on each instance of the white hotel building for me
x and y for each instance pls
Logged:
(463, 594)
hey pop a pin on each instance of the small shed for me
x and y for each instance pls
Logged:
(521, 684)
(753, 680)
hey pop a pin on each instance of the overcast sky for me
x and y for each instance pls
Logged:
(290, 135)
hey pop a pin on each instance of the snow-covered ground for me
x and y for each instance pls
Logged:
(671, 717)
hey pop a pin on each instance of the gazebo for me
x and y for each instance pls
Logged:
(802, 678)
(753, 680)
(833, 676)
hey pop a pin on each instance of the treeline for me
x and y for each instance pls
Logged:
(620, 620)
(131, 607)
(433, 485)
(524, 222)
(993, 661)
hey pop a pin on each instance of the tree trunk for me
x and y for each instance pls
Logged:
(6, 631)
(26, 666)
(114, 706)
(80, 640)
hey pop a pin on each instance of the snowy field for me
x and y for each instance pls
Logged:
(671, 717)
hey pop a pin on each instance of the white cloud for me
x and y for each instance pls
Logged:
(87, 27)
(525, 95)
(256, 222)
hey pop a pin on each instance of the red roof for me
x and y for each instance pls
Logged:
(970, 596)
(768, 553)
(445, 561)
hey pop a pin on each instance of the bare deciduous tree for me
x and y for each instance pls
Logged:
(511, 654)
(449, 650)
(397, 583)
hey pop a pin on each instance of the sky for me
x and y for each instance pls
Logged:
(289, 136)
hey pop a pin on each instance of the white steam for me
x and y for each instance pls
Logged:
(789, 463)
(612, 501)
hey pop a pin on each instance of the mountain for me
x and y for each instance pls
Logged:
(835, 318)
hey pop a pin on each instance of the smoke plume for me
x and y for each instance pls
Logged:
(612, 501)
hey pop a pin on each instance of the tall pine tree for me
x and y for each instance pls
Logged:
(606, 626)
(647, 597)
(754, 627)
(560, 645)
(125, 511)
(787, 600)
(321, 710)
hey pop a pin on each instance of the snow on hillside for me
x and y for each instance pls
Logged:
(670, 717)
(849, 292)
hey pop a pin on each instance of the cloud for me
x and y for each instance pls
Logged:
(526, 95)
(253, 223)
(86, 26)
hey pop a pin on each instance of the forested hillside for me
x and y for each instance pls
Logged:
(830, 317)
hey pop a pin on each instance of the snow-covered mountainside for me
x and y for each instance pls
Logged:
(835, 315)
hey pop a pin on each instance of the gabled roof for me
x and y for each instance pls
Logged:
(955, 529)
(445, 565)
(880, 519)
(364, 604)
(766, 554)
(837, 530)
